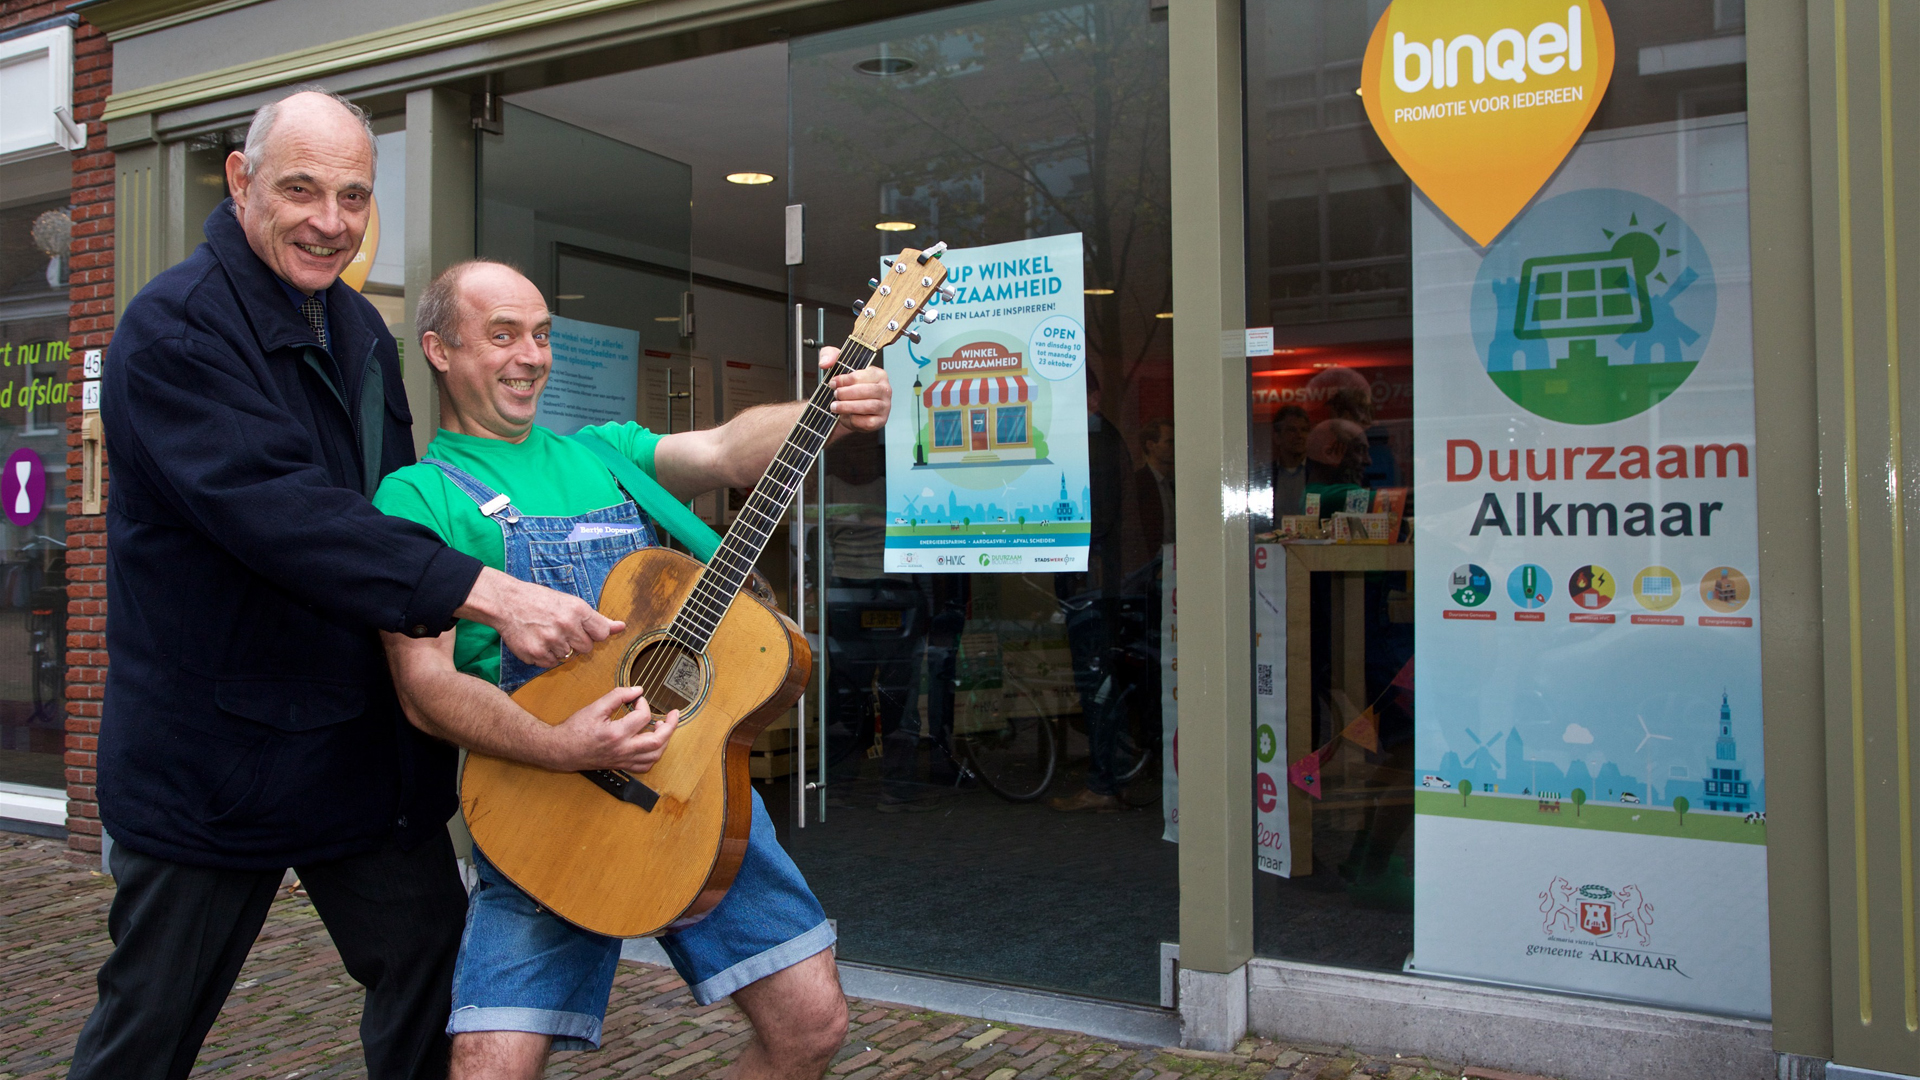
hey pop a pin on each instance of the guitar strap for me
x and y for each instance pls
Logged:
(658, 503)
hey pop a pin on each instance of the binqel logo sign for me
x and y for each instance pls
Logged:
(1480, 100)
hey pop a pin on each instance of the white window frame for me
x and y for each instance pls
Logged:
(23, 135)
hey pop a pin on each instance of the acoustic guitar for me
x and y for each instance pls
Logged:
(632, 855)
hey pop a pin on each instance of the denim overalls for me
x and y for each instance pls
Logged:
(538, 550)
(524, 969)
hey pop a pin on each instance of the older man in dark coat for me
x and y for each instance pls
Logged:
(252, 404)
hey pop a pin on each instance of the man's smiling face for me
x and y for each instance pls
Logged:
(492, 377)
(305, 208)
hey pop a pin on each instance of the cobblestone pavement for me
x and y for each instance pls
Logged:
(294, 1013)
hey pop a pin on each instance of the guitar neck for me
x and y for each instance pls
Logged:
(740, 549)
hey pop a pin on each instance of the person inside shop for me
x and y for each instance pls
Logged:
(876, 622)
(528, 982)
(1090, 602)
(1153, 486)
(1290, 429)
(252, 403)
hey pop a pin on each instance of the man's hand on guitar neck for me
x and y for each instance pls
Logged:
(542, 626)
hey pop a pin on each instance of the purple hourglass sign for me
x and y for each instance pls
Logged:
(23, 486)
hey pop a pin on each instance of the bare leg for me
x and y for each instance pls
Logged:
(799, 1019)
(499, 1055)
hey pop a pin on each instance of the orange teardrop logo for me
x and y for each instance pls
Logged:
(1480, 100)
(355, 275)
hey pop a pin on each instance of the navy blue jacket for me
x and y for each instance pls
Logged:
(250, 722)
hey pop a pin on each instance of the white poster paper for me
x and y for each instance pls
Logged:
(987, 442)
(1591, 793)
(595, 379)
(1273, 849)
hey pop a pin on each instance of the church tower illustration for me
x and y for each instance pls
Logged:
(1727, 787)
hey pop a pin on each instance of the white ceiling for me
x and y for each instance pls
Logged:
(719, 114)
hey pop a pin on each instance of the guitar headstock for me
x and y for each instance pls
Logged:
(905, 292)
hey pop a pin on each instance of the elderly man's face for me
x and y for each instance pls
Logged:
(306, 209)
(492, 379)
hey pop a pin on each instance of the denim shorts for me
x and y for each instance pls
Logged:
(523, 968)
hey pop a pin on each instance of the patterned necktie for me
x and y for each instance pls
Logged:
(316, 312)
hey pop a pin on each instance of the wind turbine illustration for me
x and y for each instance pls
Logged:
(1647, 736)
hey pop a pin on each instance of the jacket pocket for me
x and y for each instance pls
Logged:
(312, 771)
(290, 705)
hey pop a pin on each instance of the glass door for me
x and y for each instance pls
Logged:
(604, 228)
(983, 786)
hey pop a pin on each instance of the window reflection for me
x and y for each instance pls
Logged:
(999, 731)
(1329, 249)
(35, 247)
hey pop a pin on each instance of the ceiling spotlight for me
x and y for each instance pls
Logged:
(895, 226)
(884, 65)
(750, 179)
(666, 318)
(571, 296)
(1164, 315)
(1099, 292)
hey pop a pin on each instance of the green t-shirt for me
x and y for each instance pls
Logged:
(546, 475)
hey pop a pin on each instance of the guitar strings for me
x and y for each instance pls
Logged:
(738, 564)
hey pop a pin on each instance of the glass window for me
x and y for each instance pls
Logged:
(35, 235)
(948, 428)
(1013, 424)
(993, 763)
(1343, 265)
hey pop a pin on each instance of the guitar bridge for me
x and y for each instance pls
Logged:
(624, 786)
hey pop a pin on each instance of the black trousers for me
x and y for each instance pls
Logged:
(181, 933)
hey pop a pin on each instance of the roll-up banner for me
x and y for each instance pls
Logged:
(1591, 793)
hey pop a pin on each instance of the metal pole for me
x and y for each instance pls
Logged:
(799, 533)
(820, 335)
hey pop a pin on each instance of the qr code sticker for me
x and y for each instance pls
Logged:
(1263, 679)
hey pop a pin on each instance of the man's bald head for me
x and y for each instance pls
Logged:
(304, 107)
(303, 187)
(484, 329)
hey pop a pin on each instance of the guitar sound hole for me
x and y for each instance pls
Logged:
(670, 673)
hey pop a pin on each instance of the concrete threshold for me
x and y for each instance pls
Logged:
(1527, 1031)
(1139, 1025)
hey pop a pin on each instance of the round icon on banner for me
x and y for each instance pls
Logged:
(1469, 585)
(1595, 306)
(1269, 793)
(1657, 588)
(23, 487)
(1591, 587)
(1529, 586)
(1057, 348)
(1266, 744)
(1725, 589)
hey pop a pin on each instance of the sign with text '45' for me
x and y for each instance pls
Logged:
(1480, 100)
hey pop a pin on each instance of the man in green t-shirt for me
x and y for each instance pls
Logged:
(545, 508)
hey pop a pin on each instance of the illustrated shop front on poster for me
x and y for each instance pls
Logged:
(1316, 579)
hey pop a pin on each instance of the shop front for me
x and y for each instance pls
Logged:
(1290, 342)
(36, 231)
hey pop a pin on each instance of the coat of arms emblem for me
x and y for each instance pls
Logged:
(1596, 910)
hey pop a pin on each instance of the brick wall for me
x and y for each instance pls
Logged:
(90, 324)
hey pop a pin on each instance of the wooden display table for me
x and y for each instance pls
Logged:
(1349, 676)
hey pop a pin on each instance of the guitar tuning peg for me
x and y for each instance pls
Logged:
(886, 260)
(859, 306)
(947, 292)
(928, 314)
(913, 336)
(873, 283)
(932, 252)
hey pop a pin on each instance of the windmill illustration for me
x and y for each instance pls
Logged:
(1484, 747)
(1647, 736)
